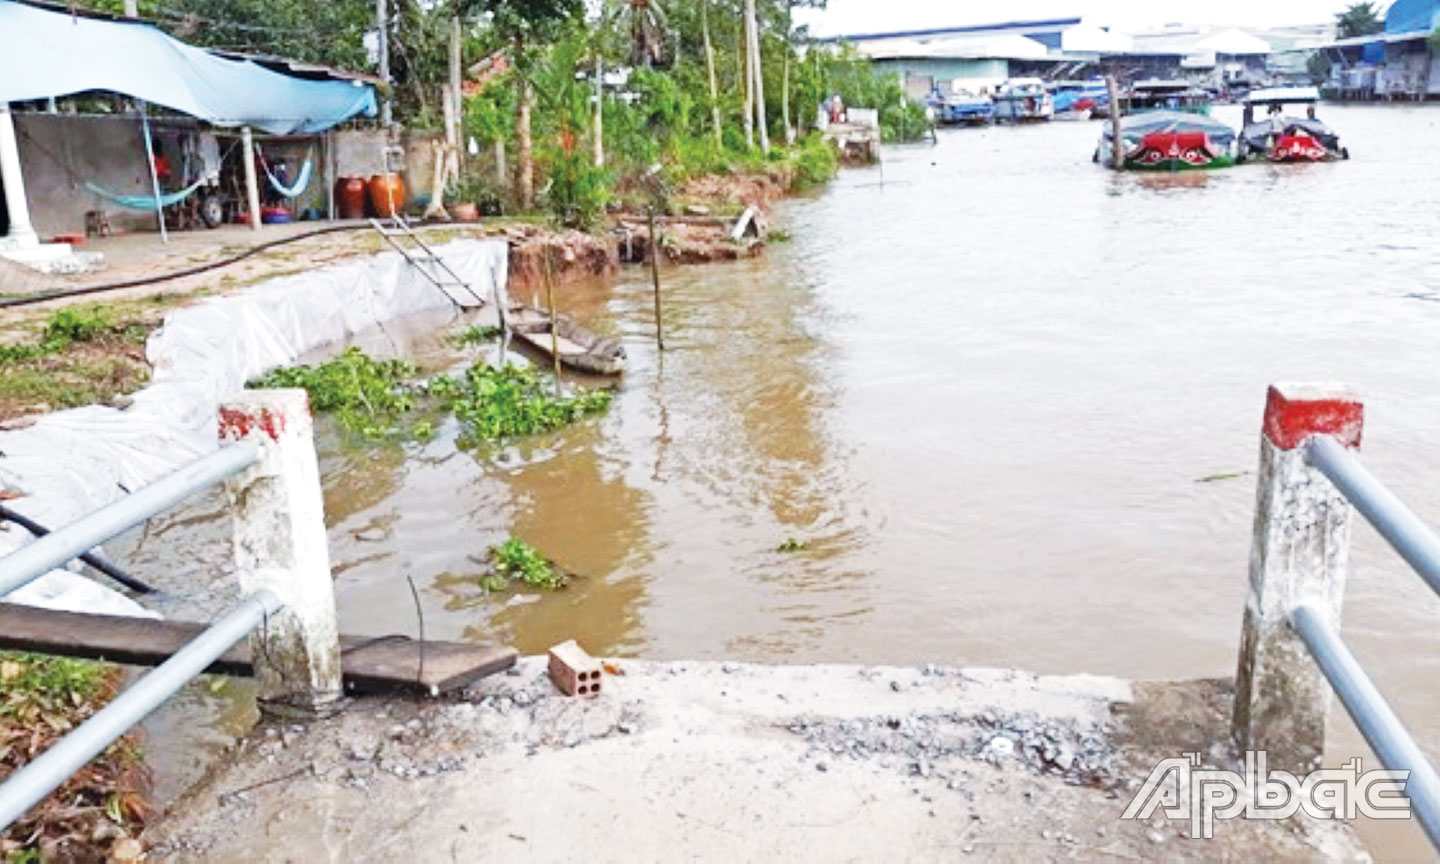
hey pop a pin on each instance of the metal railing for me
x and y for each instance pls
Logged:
(29, 785)
(1419, 546)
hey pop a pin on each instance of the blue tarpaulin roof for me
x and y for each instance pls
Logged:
(46, 54)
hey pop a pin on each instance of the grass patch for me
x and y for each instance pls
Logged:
(82, 356)
(42, 698)
(518, 561)
(477, 334)
(792, 544)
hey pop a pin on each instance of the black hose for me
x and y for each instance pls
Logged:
(95, 561)
(177, 274)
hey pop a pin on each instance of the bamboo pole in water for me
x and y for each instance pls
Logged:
(554, 336)
(655, 277)
(1117, 144)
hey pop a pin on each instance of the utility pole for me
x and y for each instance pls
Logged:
(382, 26)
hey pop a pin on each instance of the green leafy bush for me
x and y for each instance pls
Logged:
(77, 324)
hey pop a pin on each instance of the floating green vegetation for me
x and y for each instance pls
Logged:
(497, 403)
(792, 544)
(375, 398)
(477, 334)
(368, 396)
(518, 561)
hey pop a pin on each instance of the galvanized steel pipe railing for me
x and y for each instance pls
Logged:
(1372, 714)
(1398, 524)
(28, 786)
(60, 546)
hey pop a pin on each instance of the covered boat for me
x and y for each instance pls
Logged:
(1170, 141)
(1280, 138)
(1023, 100)
(1166, 95)
(961, 107)
(1077, 100)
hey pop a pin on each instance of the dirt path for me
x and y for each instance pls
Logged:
(727, 762)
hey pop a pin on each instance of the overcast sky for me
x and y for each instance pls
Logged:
(877, 16)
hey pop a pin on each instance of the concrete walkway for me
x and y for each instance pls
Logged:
(732, 762)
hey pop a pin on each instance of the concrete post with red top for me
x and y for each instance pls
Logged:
(1300, 552)
(280, 544)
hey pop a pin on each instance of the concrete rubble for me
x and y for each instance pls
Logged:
(730, 761)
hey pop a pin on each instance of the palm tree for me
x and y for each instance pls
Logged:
(646, 21)
(1361, 19)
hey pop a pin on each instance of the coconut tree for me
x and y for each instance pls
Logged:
(646, 22)
(1360, 19)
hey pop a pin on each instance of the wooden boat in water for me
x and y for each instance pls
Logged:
(1169, 141)
(580, 350)
(1023, 100)
(1166, 95)
(1279, 138)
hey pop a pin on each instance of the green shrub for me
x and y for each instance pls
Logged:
(77, 324)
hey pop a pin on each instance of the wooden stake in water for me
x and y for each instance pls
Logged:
(554, 336)
(1117, 144)
(655, 277)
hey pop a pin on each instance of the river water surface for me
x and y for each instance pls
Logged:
(1010, 399)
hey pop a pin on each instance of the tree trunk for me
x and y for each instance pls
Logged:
(523, 150)
(710, 68)
(785, 101)
(785, 86)
(457, 100)
(598, 133)
(745, 66)
(757, 71)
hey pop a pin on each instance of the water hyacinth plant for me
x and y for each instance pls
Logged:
(376, 397)
(519, 561)
(494, 404)
(368, 396)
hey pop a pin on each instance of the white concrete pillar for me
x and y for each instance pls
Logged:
(252, 183)
(1300, 553)
(280, 544)
(22, 233)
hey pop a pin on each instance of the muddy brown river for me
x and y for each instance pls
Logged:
(1011, 401)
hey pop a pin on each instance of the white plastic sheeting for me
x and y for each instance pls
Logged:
(72, 462)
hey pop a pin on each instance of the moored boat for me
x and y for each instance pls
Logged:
(1166, 95)
(1077, 100)
(1022, 100)
(961, 107)
(1170, 141)
(580, 350)
(1278, 138)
